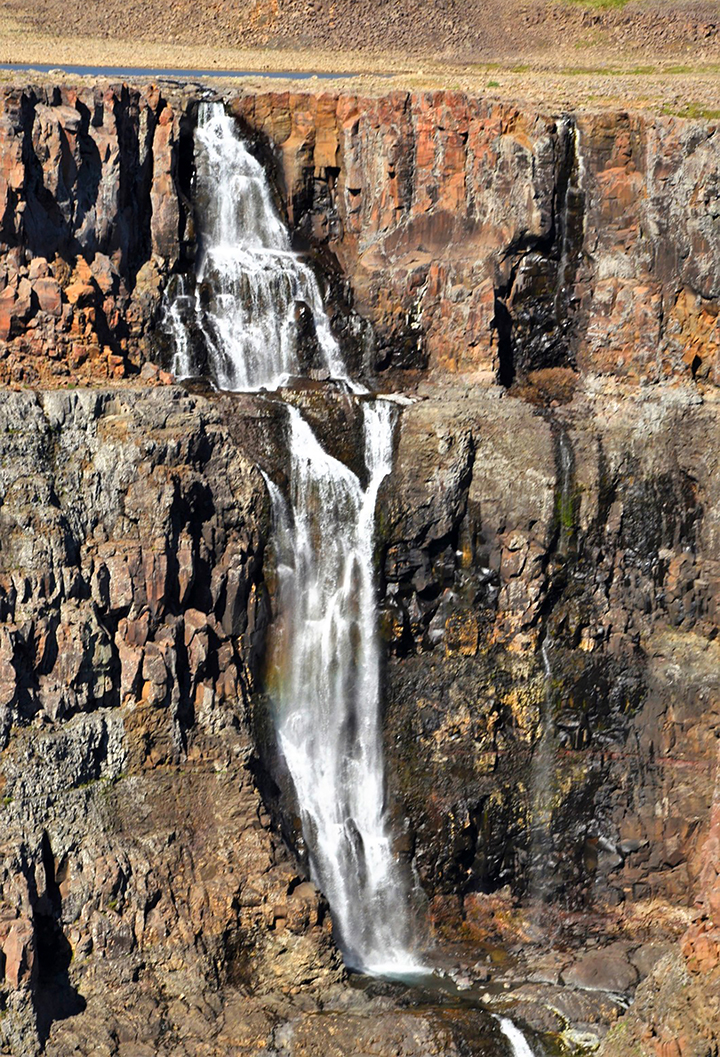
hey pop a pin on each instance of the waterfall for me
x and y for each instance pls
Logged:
(325, 683)
(244, 300)
(518, 1043)
(328, 697)
(250, 291)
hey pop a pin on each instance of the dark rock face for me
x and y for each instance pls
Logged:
(493, 547)
(134, 838)
(587, 531)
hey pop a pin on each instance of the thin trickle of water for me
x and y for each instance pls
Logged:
(176, 312)
(328, 697)
(579, 185)
(565, 466)
(250, 289)
(542, 787)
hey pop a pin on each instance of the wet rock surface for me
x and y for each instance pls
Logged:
(584, 779)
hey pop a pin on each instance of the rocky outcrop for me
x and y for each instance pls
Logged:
(481, 236)
(148, 904)
(91, 218)
(457, 234)
(138, 866)
(590, 529)
(548, 553)
(554, 705)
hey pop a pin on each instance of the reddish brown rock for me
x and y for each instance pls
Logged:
(19, 951)
(476, 235)
(97, 198)
(49, 295)
(447, 211)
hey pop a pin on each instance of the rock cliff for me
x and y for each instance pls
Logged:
(553, 697)
(546, 287)
(481, 236)
(92, 213)
(466, 234)
(134, 839)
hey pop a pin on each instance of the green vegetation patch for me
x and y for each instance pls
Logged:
(588, 71)
(599, 5)
(694, 111)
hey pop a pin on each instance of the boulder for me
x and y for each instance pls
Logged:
(607, 969)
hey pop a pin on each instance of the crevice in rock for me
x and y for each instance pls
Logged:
(535, 303)
(506, 358)
(54, 996)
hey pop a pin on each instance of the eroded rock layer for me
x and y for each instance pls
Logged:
(494, 237)
(470, 234)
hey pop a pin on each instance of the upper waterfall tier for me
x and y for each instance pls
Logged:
(251, 291)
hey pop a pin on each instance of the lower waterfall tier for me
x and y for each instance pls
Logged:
(325, 680)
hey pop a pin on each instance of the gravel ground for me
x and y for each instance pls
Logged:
(660, 54)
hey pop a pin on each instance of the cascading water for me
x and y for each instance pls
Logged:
(245, 301)
(328, 689)
(250, 288)
(518, 1043)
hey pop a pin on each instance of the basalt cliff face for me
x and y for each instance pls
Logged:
(494, 238)
(546, 288)
(468, 235)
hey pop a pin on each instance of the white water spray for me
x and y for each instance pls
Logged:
(328, 697)
(518, 1043)
(250, 289)
(248, 293)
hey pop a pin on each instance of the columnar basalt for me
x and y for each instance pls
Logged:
(93, 215)
(481, 236)
(472, 235)
(134, 839)
(486, 557)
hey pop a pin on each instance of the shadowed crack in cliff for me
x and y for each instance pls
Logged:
(55, 997)
(535, 306)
